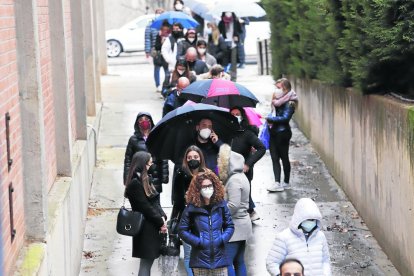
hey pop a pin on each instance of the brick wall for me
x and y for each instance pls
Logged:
(68, 41)
(9, 102)
(46, 85)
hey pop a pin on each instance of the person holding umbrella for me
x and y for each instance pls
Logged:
(251, 148)
(169, 47)
(230, 29)
(208, 141)
(206, 225)
(136, 143)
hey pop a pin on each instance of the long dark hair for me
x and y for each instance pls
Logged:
(139, 164)
(202, 160)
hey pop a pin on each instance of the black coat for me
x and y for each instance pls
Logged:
(183, 45)
(210, 152)
(198, 66)
(136, 143)
(237, 29)
(181, 183)
(218, 51)
(147, 243)
(243, 142)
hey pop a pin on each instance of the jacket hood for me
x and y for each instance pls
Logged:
(136, 127)
(305, 209)
(229, 163)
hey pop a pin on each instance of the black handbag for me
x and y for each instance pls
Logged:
(129, 223)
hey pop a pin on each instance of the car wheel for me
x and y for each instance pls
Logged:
(113, 48)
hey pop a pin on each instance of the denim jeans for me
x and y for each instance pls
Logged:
(187, 252)
(157, 69)
(235, 252)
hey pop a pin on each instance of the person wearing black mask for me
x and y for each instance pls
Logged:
(169, 48)
(195, 65)
(193, 163)
(159, 171)
(243, 143)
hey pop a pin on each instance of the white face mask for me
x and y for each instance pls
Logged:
(209, 31)
(191, 39)
(279, 93)
(308, 225)
(207, 192)
(201, 51)
(178, 7)
(205, 133)
(239, 118)
(180, 71)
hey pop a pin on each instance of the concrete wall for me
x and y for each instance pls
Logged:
(367, 143)
(44, 47)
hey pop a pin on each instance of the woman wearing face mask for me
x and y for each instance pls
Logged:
(193, 163)
(230, 28)
(181, 70)
(203, 55)
(302, 240)
(280, 135)
(206, 225)
(144, 198)
(250, 147)
(143, 125)
(190, 40)
(178, 5)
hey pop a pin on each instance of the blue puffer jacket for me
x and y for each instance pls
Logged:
(284, 113)
(150, 37)
(208, 234)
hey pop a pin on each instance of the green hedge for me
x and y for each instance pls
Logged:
(368, 44)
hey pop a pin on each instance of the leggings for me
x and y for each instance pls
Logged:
(279, 149)
(145, 267)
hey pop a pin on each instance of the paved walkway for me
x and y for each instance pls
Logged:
(129, 89)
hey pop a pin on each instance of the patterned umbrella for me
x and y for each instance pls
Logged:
(220, 92)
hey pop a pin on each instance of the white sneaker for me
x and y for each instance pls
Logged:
(275, 187)
(254, 216)
(286, 186)
(159, 88)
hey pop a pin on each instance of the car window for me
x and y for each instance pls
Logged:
(143, 22)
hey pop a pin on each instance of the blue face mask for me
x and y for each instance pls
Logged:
(308, 225)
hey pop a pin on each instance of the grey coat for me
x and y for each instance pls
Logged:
(237, 191)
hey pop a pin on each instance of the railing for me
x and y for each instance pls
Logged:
(264, 58)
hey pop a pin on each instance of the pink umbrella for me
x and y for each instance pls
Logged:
(253, 116)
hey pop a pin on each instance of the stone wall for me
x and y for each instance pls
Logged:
(367, 142)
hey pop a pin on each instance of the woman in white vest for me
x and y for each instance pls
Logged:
(302, 240)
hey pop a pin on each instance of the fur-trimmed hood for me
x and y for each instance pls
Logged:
(229, 163)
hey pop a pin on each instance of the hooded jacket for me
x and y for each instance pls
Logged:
(136, 143)
(292, 243)
(230, 166)
(207, 233)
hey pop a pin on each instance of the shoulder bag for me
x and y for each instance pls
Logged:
(129, 223)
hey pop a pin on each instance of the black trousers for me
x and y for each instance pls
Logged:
(279, 150)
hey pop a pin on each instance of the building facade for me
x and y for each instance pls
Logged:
(52, 53)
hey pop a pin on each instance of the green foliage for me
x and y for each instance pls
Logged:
(368, 44)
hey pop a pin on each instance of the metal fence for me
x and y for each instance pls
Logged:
(264, 57)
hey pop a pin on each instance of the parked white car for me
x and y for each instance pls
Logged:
(128, 38)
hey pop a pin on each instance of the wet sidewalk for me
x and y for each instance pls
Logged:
(128, 89)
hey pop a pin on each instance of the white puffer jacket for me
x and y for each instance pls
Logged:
(291, 243)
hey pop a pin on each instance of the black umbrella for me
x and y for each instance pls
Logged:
(176, 130)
